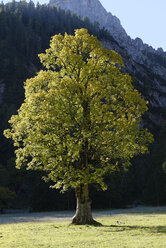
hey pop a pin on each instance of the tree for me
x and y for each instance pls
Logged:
(80, 119)
(6, 198)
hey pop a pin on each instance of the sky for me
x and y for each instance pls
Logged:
(145, 19)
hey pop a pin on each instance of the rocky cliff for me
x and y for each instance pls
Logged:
(146, 65)
(94, 10)
(96, 13)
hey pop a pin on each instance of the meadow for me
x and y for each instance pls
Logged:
(123, 230)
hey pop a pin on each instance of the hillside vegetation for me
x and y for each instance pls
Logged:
(25, 31)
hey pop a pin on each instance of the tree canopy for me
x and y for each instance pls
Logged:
(81, 116)
(25, 31)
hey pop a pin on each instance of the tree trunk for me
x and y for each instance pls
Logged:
(83, 214)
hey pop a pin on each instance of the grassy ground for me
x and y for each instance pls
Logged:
(129, 230)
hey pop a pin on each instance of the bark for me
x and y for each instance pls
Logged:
(83, 214)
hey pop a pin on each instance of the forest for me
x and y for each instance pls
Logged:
(25, 31)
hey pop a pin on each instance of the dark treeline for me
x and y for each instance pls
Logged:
(25, 31)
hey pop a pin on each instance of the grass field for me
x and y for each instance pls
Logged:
(127, 230)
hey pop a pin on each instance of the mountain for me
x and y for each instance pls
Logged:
(96, 13)
(25, 32)
(146, 65)
(94, 10)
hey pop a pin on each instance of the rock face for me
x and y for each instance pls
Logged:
(94, 10)
(96, 13)
(146, 65)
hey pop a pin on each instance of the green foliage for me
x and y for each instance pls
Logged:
(81, 115)
(25, 31)
(164, 166)
(6, 197)
(155, 187)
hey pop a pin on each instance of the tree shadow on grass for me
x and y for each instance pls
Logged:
(122, 228)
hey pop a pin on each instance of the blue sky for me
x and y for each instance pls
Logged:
(145, 19)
